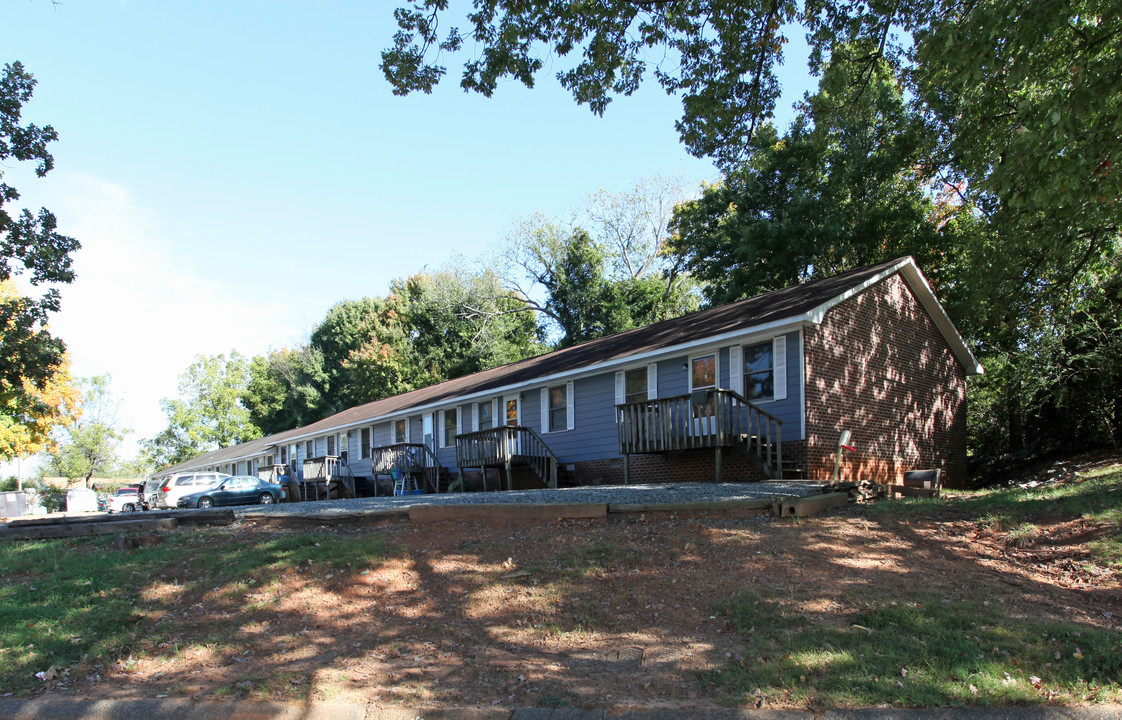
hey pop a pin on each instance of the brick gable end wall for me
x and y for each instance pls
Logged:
(878, 366)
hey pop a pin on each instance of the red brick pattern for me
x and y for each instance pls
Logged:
(878, 366)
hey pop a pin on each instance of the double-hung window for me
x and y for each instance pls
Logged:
(762, 375)
(558, 404)
(557, 408)
(484, 417)
(401, 431)
(635, 383)
(364, 443)
(450, 427)
(330, 444)
(759, 372)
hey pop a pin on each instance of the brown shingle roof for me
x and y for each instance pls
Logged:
(733, 317)
(793, 303)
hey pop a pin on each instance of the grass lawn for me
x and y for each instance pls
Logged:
(888, 604)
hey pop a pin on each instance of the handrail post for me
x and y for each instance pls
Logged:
(779, 452)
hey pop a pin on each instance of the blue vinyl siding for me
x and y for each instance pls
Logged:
(595, 434)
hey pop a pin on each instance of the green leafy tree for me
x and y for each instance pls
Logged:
(90, 445)
(606, 270)
(208, 414)
(285, 389)
(463, 321)
(844, 186)
(372, 348)
(30, 245)
(1022, 99)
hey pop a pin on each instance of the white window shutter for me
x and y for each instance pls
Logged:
(652, 381)
(496, 419)
(474, 417)
(620, 397)
(460, 420)
(779, 362)
(407, 424)
(439, 429)
(570, 406)
(545, 410)
(736, 369)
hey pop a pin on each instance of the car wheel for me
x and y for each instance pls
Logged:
(128, 507)
(206, 503)
(265, 499)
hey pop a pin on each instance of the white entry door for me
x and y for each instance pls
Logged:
(427, 431)
(512, 416)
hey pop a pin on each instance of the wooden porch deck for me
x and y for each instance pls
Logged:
(506, 447)
(707, 419)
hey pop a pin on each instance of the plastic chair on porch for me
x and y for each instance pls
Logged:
(403, 484)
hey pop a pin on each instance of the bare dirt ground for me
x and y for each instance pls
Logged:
(586, 613)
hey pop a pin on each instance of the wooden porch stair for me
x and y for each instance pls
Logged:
(506, 448)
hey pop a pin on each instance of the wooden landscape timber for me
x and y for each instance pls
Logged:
(71, 526)
(185, 517)
(43, 532)
(810, 505)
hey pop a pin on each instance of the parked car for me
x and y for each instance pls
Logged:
(127, 499)
(150, 493)
(182, 484)
(235, 490)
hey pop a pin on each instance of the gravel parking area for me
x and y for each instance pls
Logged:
(610, 494)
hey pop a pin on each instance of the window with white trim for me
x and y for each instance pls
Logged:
(703, 372)
(759, 372)
(558, 408)
(309, 449)
(557, 404)
(364, 443)
(401, 431)
(484, 416)
(451, 427)
(635, 385)
(762, 375)
(330, 444)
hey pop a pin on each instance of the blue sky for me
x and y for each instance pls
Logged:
(234, 169)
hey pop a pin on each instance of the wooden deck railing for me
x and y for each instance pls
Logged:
(271, 473)
(705, 419)
(505, 446)
(328, 469)
(410, 459)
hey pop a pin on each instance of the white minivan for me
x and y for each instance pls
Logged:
(180, 484)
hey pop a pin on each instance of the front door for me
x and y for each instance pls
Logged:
(512, 417)
(427, 431)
